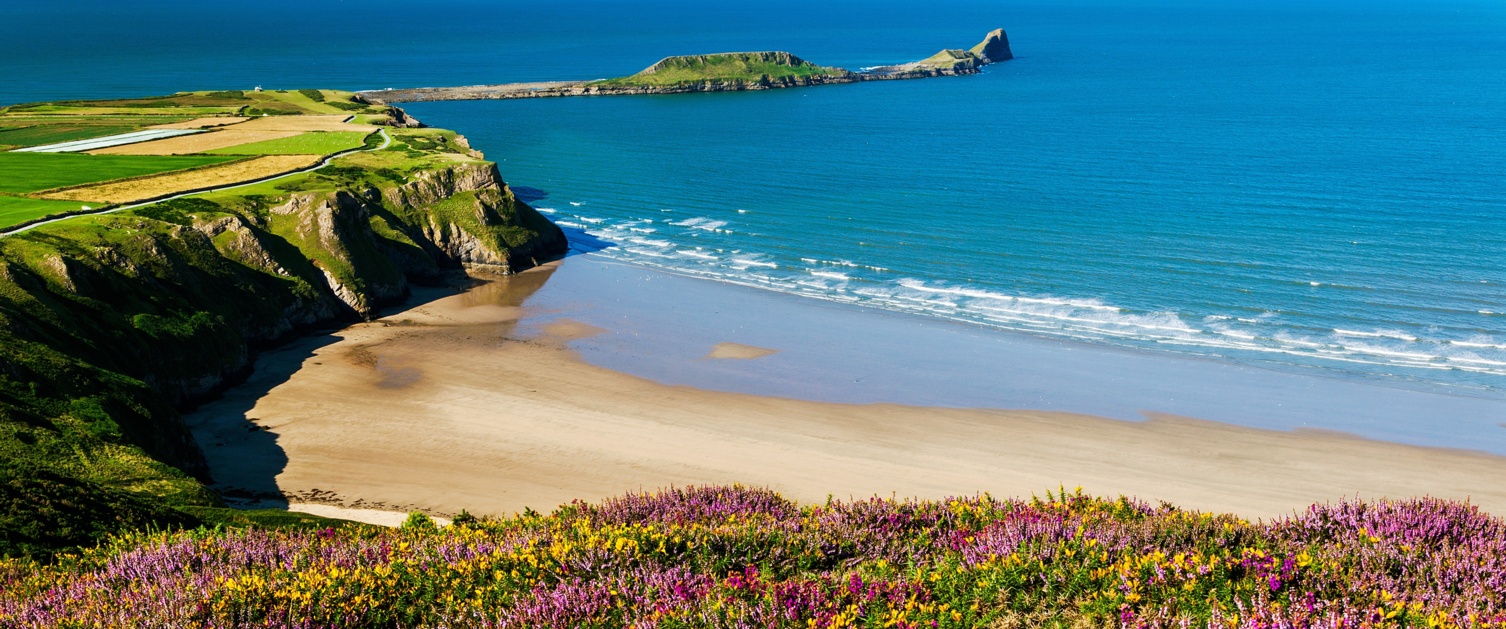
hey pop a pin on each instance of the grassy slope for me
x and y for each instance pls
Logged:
(724, 67)
(15, 210)
(948, 59)
(311, 143)
(108, 321)
(29, 172)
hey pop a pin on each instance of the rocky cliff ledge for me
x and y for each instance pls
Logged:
(722, 72)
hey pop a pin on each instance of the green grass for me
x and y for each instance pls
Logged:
(30, 172)
(15, 210)
(311, 143)
(724, 67)
(263, 518)
(56, 133)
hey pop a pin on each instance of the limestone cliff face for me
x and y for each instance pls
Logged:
(338, 228)
(481, 225)
(459, 216)
(994, 47)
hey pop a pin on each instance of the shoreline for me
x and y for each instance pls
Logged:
(483, 401)
(667, 319)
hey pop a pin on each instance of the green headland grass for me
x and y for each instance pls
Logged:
(30, 172)
(14, 210)
(724, 67)
(311, 143)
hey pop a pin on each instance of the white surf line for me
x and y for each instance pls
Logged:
(386, 141)
(134, 137)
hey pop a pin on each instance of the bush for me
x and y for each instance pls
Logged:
(419, 521)
(42, 511)
(177, 210)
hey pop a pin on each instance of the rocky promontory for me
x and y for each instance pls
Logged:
(722, 72)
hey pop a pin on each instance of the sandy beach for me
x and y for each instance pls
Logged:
(464, 403)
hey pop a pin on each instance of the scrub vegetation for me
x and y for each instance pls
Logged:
(743, 557)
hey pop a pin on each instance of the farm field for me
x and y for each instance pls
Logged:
(57, 133)
(311, 143)
(30, 172)
(202, 123)
(15, 210)
(121, 139)
(304, 123)
(154, 187)
(197, 143)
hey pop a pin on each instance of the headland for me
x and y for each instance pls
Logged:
(720, 72)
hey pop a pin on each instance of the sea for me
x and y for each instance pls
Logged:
(1307, 187)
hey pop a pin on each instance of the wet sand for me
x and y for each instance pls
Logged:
(477, 401)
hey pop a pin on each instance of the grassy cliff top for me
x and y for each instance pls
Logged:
(724, 67)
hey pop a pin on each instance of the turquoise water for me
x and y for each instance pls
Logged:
(1313, 187)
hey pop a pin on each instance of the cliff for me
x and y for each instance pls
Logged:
(112, 324)
(994, 47)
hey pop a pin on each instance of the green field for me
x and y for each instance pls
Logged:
(56, 133)
(30, 172)
(311, 143)
(15, 210)
(722, 68)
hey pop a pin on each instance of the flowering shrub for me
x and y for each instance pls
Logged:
(740, 557)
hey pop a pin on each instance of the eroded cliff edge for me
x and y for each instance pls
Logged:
(110, 325)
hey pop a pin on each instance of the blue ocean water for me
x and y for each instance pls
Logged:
(1308, 186)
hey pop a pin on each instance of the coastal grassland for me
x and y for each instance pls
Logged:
(31, 172)
(311, 143)
(735, 556)
(745, 67)
(15, 209)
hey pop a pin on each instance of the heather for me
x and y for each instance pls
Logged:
(741, 557)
